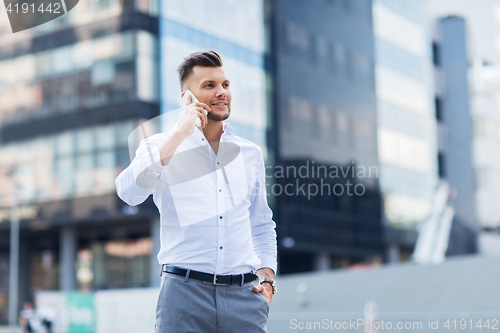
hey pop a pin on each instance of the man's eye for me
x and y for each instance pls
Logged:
(209, 85)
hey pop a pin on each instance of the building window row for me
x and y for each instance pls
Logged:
(395, 58)
(412, 10)
(67, 59)
(396, 179)
(488, 180)
(84, 75)
(320, 122)
(69, 164)
(405, 121)
(189, 19)
(322, 51)
(486, 128)
(85, 12)
(399, 30)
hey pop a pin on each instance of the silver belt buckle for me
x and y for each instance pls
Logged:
(215, 281)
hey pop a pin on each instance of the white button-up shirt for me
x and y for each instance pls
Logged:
(213, 207)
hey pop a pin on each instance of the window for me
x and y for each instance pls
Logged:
(486, 128)
(301, 117)
(364, 134)
(438, 104)
(360, 64)
(64, 172)
(403, 150)
(123, 130)
(435, 53)
(340, 54)
(400, 31)
(105, 137)
(441, 165)
(320, 50)
(343, 128)
(61, 60)
(119, 263)
(102, 72)
(64, 144)
(85, 140)
(401, 90)
(488, 180)
(324, 120)
(406, 209)
(297, 36)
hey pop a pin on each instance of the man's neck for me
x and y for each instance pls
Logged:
(213, 131)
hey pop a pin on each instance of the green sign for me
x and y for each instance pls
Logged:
(81, 312)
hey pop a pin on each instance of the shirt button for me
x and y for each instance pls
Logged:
(221, 247)
(217, 163)
(220, 217)
(220, 190)
(202, 139)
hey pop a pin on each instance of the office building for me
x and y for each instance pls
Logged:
(453, 112)
(407, 142)
(324, 103)
(466, 50)
(71, 91)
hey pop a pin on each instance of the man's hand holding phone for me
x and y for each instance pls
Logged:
(193, 113)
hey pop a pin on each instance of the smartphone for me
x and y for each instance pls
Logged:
(193, 100)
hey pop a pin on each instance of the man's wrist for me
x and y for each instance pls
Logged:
(265, 273)
(269, 282)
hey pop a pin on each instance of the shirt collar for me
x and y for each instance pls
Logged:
(227, 129)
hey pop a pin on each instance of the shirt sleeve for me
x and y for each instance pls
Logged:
(261, 220)
(144, 174)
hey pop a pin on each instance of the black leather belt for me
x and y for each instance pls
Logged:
(211, 278)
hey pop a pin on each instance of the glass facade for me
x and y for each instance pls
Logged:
(325, 118)
(486, 145)
(83, 13)
(407, 144)
(114, 264)
(83, 162)
(71, 92)
(86, 74)
(330, 70)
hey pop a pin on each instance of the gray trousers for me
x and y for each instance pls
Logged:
(192, 306)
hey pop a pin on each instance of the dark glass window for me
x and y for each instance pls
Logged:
(441, 165)
(438, 103)
(118, 264)
(435, 53)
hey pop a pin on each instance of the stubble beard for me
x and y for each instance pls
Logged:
(217, 117)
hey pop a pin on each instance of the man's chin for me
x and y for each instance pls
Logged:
(218, 117)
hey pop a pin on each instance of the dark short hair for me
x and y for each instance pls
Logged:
(205, 58)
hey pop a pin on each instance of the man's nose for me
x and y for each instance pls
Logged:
(221, 92)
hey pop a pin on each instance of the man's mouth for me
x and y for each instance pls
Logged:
(220, 104)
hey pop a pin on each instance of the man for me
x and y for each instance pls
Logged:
(216, 226)
(28, 318)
